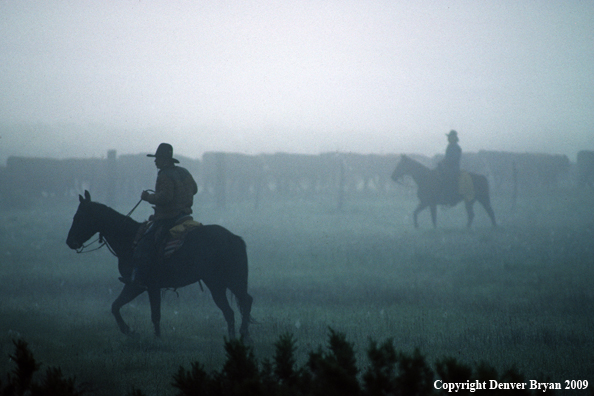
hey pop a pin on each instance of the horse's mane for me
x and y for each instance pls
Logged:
(110, 215)
(416, 163)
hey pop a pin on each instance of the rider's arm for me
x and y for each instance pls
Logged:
(164, 191)
(194, 186)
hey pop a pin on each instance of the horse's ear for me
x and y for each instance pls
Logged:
(87, 196)
(80, 198)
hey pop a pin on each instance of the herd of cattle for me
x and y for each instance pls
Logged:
(234, 177)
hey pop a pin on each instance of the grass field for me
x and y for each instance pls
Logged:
(520, 294)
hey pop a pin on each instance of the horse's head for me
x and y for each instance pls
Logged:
(401, 169)
(84, 224)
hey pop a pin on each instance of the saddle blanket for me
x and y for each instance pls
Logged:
(178, 236)
(465, 186)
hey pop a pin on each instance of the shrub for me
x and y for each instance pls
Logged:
(20, 381)
(328, 371)
(334, 372)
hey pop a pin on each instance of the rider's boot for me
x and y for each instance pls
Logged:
(141, 262)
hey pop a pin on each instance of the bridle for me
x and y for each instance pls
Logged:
(102, 242)
(397, 181)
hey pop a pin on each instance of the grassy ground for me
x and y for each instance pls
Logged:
(518, 295)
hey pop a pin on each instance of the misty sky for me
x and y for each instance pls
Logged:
(80, 77)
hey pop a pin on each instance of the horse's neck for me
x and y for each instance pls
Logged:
(115, 227)
(418, 171)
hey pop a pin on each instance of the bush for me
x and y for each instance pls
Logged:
(328, 371)
(20, 381)
(333, 371)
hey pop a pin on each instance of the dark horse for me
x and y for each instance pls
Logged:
(428, 190)
(210, 253)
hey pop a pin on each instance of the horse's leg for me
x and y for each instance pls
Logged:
(220, 298)
(416, 213)
(128, 293)
(244, 301)
(155, 301)
(433, 209)
(469, 212)
(482, 188)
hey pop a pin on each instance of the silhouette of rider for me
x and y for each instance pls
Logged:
(173, 199)
(449, 168)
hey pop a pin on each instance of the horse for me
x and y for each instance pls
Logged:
(429, 194)
(210, 253)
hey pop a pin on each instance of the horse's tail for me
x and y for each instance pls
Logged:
(240, 250)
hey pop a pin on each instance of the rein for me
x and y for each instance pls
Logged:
(102, 241)
(83, 247)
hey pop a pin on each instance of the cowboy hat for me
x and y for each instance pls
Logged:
(165, 151)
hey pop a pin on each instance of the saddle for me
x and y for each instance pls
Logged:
(174, 239)
(465, 186)
(177, 235)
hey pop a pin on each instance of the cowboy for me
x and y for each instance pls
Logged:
(173, 198)
(450, 168)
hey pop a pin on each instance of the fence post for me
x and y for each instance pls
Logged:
(111, 175)
(259, 183)
(341, 183)
(515, 186)
(221, 180)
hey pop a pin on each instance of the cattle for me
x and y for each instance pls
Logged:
(527, 172)
(236, 177)
(231, 177)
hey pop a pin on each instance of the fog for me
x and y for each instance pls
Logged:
(80, 78)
